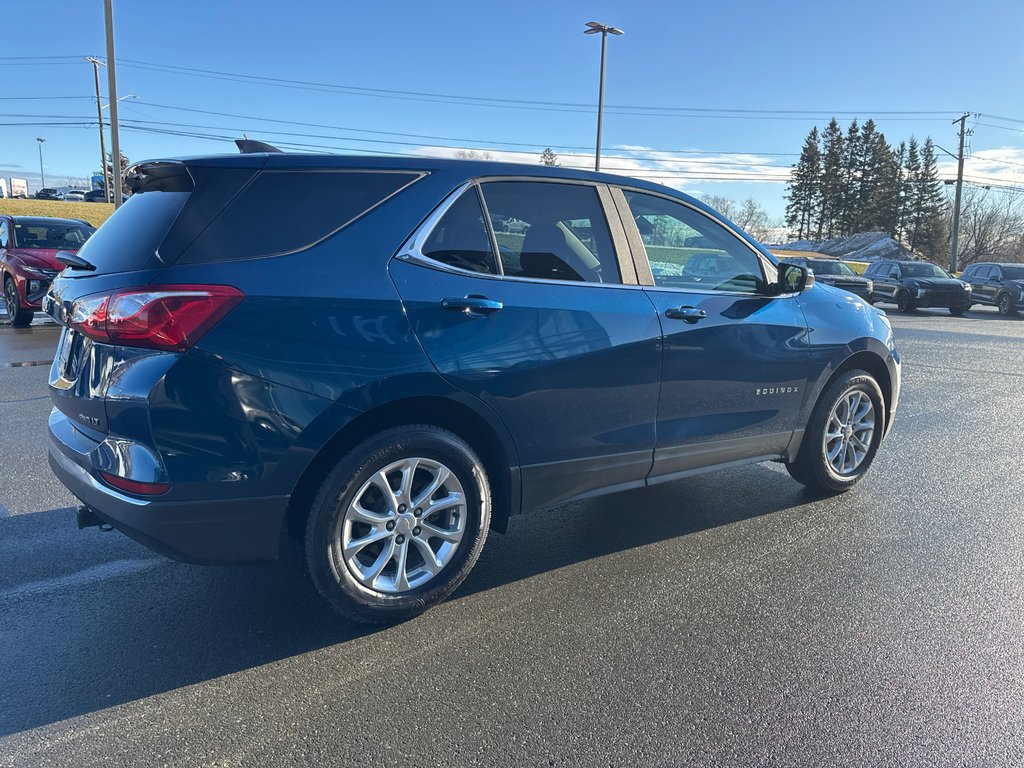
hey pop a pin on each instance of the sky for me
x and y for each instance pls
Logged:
(710, 98)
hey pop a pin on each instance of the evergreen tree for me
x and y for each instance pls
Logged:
(931, 237)
(831, 181)
(908, 193)
(548, 157)
(895, 208)
(849, 213)
(125, 162)
(804, 189)
(869, 161)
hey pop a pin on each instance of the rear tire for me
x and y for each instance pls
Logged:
(19, 317)
(370, 552)
(839, 445)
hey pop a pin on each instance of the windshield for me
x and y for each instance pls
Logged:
(1013, 273)
(831, 268)
(923, 270)
(53, 234)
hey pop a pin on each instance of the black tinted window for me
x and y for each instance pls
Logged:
(461, 238)
(128, 240)
(285, 211)
(687, 249)
(551, 231)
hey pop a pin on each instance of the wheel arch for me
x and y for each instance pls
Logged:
(871, 362)
(494, 449)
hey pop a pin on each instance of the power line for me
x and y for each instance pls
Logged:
(559, 106)
(997, 117)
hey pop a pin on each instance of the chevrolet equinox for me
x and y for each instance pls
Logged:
(346, 354)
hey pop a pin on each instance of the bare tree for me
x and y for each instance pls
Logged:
(724, 205)
(991, 225)
(749, 215)
(473, 154)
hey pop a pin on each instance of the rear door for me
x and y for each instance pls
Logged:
(545, 324)
(736, 359)
(991, 282)
(887, 280)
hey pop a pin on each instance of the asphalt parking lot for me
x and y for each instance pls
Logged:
(730, 619)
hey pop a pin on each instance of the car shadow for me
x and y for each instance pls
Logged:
(71, 651)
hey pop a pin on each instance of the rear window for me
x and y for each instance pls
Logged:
(285, 211)
(128, 240)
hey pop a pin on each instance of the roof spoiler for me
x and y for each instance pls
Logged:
(251, 146)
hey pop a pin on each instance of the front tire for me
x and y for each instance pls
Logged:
(905, 302)
(959, 309)
(1005, 305)
(843, 434)
(398, 524)
(19, 317)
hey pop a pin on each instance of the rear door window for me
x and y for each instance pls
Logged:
(551, 231)
(461, 239)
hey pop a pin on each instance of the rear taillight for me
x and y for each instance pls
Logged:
(134, 486)
(166, 317)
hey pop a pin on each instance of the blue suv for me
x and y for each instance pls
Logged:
(347, 354)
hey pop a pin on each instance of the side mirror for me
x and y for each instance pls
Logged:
(894, 274)
(794, 279)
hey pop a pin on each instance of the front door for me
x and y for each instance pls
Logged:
(736, 359)
(538, 324)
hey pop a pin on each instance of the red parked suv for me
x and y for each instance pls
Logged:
(28, 259)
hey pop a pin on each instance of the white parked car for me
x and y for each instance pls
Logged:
(76, 195)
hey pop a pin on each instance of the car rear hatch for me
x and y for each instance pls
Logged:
(88, 378)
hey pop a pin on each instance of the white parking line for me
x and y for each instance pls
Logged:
(81, 578)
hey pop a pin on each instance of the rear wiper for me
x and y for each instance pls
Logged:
(74, 261)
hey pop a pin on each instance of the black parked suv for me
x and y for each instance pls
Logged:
(997, 285)
(384, 377)
(911, 285)
(835, 273)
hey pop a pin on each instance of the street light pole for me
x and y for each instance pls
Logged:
(593, 28)
(99, 115)
(115, 141)
(42, 176)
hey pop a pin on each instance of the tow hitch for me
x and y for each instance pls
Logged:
(89, 519)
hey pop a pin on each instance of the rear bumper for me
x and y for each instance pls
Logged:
(219, 531)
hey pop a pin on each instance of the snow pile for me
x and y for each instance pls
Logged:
(865, 246)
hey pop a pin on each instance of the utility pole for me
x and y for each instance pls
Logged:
(953, 246)
(115, 141)
(594, 28)
(99, 115)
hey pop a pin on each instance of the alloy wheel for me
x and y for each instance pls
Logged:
(849, 432)
(1005, 305)
(11, 299)
(403, 526)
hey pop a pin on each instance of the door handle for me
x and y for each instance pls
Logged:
(686, 314)
(475, 306)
